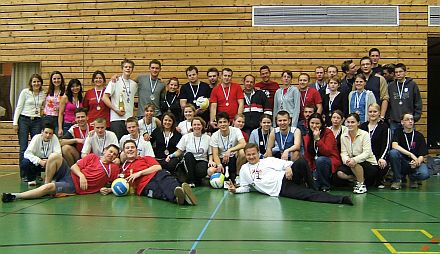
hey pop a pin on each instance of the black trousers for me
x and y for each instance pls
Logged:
(195, 170)
(161, 186)
(231, 168)
(169, 166)
(370, 172)
(296, 188)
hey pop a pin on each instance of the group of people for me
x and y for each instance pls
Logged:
(291, 140)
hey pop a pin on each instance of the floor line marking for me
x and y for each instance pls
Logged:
(382, 239)
(9, 174)
(193, 248)
(406, 206)
(218, 219)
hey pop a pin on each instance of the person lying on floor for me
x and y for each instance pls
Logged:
(87, 176)
(276, 177)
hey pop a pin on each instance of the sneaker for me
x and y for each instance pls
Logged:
(192, 185)
(381, 186)
(360, 188)
(7, 197)
(225, 184)
(347, 200)
(190, 198)
(413, 185)
(237, 181)
(396, 185)
(180, 195)
(32, 183)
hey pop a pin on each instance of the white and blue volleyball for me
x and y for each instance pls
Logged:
(217, 180)
(120, 187)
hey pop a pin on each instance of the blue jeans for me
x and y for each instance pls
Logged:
(66, 127)
(323, 172)
(401, 168)
(26, 126)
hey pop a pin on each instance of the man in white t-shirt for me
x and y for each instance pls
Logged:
(276, 177)
(97, 141)
(227, 148)
(119, 97)
(144, 147)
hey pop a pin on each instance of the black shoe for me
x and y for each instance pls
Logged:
(24, 179)
(347, 200)
(7, 197)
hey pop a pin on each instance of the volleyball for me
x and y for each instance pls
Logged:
(202, 102)
(217, 180)
(120, 187)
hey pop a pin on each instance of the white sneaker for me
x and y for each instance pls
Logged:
(237, 181)
(360, 188)
(225, 184)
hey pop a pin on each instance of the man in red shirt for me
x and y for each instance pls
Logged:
(87, 176)
(73, 140)
(308, 96)
(149, 180)
(269, 87)
(227, 97)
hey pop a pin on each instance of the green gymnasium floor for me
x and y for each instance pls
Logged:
(382, 221)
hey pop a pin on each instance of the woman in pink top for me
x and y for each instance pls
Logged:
(68, 104)
(53, 97)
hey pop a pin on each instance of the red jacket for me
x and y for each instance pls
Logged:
(326, 147)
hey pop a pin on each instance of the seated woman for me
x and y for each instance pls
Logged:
(321, 152)
(148, 123)
(285, 141)
(196, 150)
(184, 127)
(358, 159)
(260, 136)
(380, 141)
(164, 140)
(239, 122)
(337, 127)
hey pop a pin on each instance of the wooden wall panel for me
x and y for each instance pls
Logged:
(79, 37)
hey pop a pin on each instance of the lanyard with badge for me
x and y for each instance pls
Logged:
(303, 99)
(226, 96)
(410, 145)
(400, 91)
(109, 171)
(167, 141)
(98, 98)
(153, 87)
(45, 148)
(127, 89)
(196, 92)
(357, 101)
(101, 147)
(249, 98)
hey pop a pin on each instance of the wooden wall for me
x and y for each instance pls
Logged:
(78, 37)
